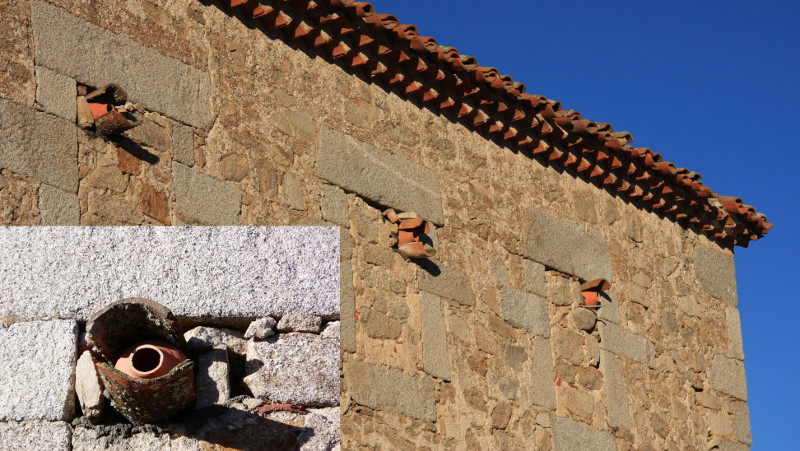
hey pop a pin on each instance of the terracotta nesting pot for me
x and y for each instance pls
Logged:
(590, 297)
(149, 359)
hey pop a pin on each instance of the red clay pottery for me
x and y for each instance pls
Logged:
(590, 297)
(99, 109)
(149, 359)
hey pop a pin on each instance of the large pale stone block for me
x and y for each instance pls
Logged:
(741, 422)
(57, 207)
(348, 308)
(37, 370)
(543, 388)
(535, 280)
(568, 247)
(727, 376)
(716, 273)
(381, 176)
(195, 271)
(569, 435)
(614, 386)
(56, 93)
(334, 205)
(526, 311)
(35, 436)
(434, 337)
(385, 389)
(449, 283)
(204, 198)
(614, 338)
(40, 145)
(157, 82)
(734, 332)
(296, 368)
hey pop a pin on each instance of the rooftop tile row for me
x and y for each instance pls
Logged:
(380, 48)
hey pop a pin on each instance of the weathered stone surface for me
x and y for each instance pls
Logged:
(434, 337)
(569, 435)
(543, 389)
(690, 306)
(296, 123)
(295, 368)
(205, 198)
(348, 306)
(151, 134)
(609, 307)
(526, 311)
(183, 144)
(212, 382)
(37, 367)
(408, 394)
(86, 439)
(583, 318)
(293, 190)
(203, 339)
(157, 82)
(56, 93)
(334, 205)
(89, 389)
(39, 145)
(383, 177)
(727, 376)
(297, 322)
(57, 207)
(614, 386)
(194, 271)
(332, 330)
(450, 283)
(716, 273)
(623, 342)
(322, 430)
(741, 422)
(563, 290)
(261, 328)
(35, 436)
(534, 277)
(734, 327)
(568, 247)
(732, 446)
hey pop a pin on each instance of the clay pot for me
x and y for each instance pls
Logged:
(149, 359)
(99, 109)
(590, 297)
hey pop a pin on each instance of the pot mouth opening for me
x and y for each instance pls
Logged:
(146, 359)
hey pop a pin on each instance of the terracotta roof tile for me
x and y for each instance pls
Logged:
(482, 99)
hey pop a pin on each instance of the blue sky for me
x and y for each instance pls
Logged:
(712, 86)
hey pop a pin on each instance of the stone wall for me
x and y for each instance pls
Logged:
(482, 347)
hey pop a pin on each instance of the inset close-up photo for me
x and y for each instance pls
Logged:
(169, 338)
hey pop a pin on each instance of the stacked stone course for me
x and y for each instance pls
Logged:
(483, 347)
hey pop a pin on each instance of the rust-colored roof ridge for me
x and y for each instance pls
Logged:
(379, 47)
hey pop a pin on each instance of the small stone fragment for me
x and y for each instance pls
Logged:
(85, 116)
(331, 331)
(202, 339)
(583, 319)
(89, 389)
(297, 322)
(261, 328)
(212, 385)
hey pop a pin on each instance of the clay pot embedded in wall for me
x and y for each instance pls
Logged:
(149, 359)
(113, 122)
(591, 290)
(590, 297)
